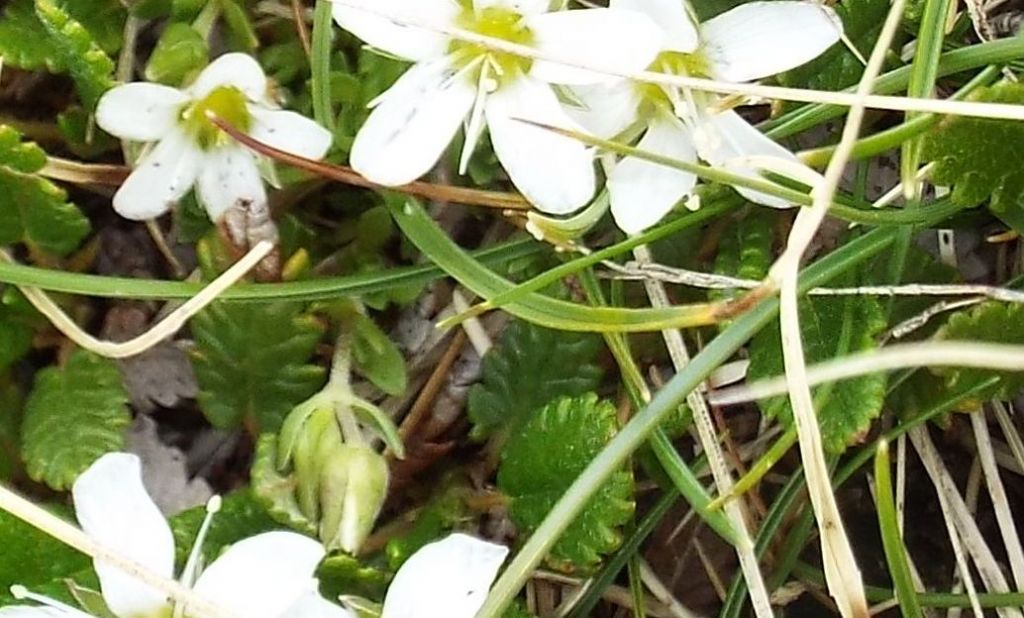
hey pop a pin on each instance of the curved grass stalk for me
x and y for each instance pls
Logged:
(845, 99)
(159, 331)
(996, 356)
(892, 541)
(842, 574)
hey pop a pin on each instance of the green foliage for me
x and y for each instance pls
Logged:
(745, 250)
(103, 19)
(341, 574)
(240, 29)
(89, 66)
(993, 322)
(252, 362)
(75, 414)
(241, 516)
(24, 43)
(839, 68)
(545, 457)
(275, 491)
(444, 512)
(830, 327)
(975, 156)
(180, 53)
(34, 210)
(78, 127)
(34, 559)
(16, 327)
(377, 357)
(529, 367)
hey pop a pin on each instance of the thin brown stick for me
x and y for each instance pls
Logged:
(345, 174)
(300, 27)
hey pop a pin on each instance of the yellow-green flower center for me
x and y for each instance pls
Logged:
(497, 23)
(653, 98)
(227, 103)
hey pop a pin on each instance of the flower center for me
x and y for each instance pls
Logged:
(227, 103)
(496, 23)
(654, 99)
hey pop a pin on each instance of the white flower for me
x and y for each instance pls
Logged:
(445, 579)
(455, 83)
(751, 41)
(269, 575)
(191, 150)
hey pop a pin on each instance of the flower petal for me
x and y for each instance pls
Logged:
(617, 40)
(523, 7)
(407, 42)
(758, 39)
(229, 177)
(160, 179)
(727, 136)
(313, 605)
(140, 111)
(605, 109)
(445, 579)
(262, 576)
(415, 121)
(290, 131)
(671, 15)
(112, 506)
(554, 171)
(642, 192)
(238, 70)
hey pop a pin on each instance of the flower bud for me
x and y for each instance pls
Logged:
(353, 486)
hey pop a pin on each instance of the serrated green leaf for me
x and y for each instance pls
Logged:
(830, 327)
(241, 516)
(24, 42)
(180, 53)
(252, 362)
(529, 367)
(35, 559)
(103, 19)
(977, 157)
(377, 357)
(992, 322)
(74, 414)
(745, 250)
(89, 66)
(34, 210)
(838, 67)
(545, 457)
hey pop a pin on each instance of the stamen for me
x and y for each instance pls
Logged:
(475, 127)
(192, 566)
(22, 593)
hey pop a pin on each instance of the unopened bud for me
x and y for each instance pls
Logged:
(353, 486)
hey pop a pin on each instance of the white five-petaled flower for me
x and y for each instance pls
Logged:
(190, 150)
(449, 578)
(455, 83)
(269, 575)
(751, 41)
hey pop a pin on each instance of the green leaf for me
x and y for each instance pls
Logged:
(252, 362)
(977, 157)
(745, 250)
(240, 28)
(16, 331)
(377, 357)
(180, 53)
(529, 367)
(89, 66)
(342, 574)
(992, 322)
(74, 414)
(24, 42)
(78, 127)
(446, 510)
(103, 19)
(545, 457)
(35, 559)
(241, 516)
(34, 210)
(838, 67)
(831, 327)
